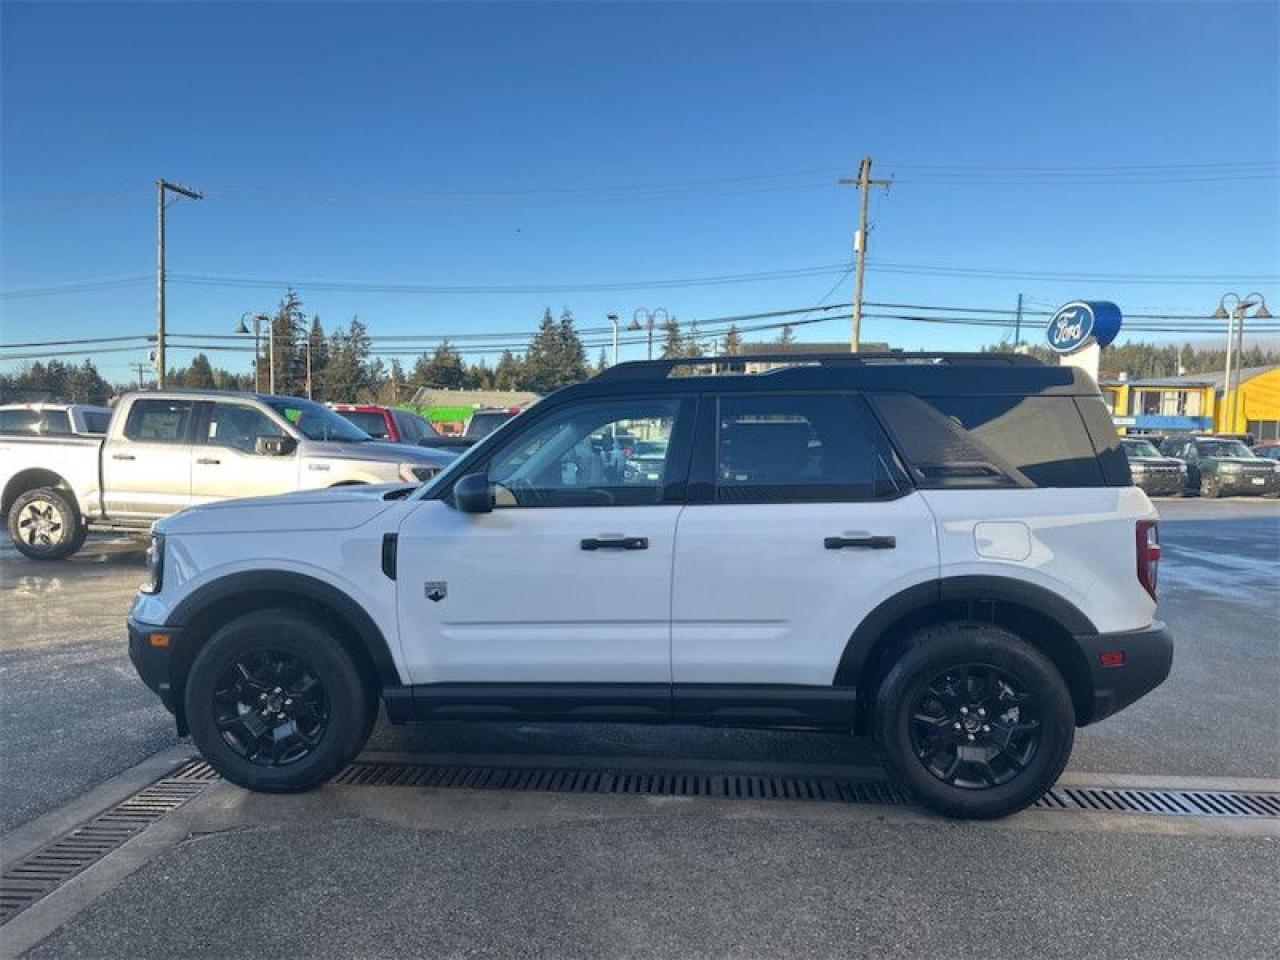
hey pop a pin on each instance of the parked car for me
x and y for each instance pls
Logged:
(397, 425)
(167, 450)
(948, 555)
(1223, 465)
(1269, 449)
(53, 419)
(1157, 475)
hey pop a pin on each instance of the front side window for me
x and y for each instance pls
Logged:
(239, 427)
(159, 421)
(595, 453)
(777, 449)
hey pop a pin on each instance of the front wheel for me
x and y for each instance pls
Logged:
(44, 524)
(974, 721)
(1209, 488)
(275, 703)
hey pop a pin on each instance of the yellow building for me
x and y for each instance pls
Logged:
(1198, 403)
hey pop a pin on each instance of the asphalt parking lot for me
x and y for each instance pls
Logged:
(382, 871)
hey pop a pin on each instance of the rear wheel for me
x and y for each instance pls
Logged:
(45, 524)
(275, 703)
(974, 721)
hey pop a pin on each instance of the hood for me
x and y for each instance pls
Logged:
(1246, 461)
(378, 452)
(1154, 462)
(334, 508)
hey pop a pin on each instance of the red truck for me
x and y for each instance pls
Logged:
(396, 425)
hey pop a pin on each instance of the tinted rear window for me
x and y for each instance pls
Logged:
(95, 422)
(371, 422)
(993, 441)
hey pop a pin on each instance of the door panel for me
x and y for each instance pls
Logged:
(223, 462)
(147, 467)
(568, 579)
(810, 525)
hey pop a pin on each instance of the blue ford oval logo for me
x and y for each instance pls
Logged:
(1079, 323)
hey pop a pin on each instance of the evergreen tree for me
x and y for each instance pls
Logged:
(786, 334)
(287, 330)
(573, 357)
(348, 375)
(444, 369)
(540, 370)
(199, 375)
(319, 357)
(478, 376)
(602, 364)
(672, 342)
(396, 378)
(508, 374)
(733, 340)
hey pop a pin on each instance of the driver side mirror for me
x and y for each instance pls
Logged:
(473, 494)
(274, 446)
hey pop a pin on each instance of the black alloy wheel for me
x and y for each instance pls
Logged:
(270, 707)
(974, 727)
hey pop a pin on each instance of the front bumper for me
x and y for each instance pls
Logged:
(1161, 485)
(1242, 484)
(1148, 657)
(154, 662)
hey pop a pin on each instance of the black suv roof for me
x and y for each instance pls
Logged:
(923, 374)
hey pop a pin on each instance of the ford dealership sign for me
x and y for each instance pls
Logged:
(1082, 322)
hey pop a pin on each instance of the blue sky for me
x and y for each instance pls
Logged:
(530, 144)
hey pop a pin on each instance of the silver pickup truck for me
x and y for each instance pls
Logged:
(168, 450)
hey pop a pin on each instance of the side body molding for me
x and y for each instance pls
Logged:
(293, 585)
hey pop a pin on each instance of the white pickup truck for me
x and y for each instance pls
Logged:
(168, 450)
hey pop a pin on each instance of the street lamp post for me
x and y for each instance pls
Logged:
(1235, 317)
(613, 319)
(242, 328)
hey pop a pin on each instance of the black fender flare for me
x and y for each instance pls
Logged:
(979, 588)
(297, 585)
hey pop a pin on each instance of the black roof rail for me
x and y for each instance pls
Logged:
(660, 369)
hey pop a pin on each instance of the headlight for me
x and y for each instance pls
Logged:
(1138, 468)
(417, 472)
(155, 565)
(1231, 468)
(1182, 468)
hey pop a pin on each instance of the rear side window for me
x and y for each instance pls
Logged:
(789, 448)
(20, 421)
(159, 421)
(992, 441)
(96, 422)
(371, 422)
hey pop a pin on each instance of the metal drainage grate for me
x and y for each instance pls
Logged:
(568, 780)
(40, 873)
(1191, 803)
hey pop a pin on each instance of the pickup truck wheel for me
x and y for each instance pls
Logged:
(275, 703)
(44, 524)
(1209, 489)
(975, 722)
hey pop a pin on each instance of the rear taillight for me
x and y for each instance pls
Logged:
(1148, 540)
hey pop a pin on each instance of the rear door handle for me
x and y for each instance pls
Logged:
(208, 460)
(616, 543)
(866, 543)
(123, 456)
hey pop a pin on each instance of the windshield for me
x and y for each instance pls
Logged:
(1140, 448)
(1223, 448)
(316, 422)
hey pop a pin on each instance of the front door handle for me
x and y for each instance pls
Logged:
(123, 456)
(866, 543)
(208, 460)
(616, 543)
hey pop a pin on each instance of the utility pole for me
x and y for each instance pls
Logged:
(1017, 325)
(864, 184)
(142, 369)
(161, 187)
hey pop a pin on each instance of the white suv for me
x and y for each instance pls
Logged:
(944, 551)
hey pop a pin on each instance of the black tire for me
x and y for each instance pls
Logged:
(996, 783)
(281, 655)
(1209, 489)
(45, 524)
